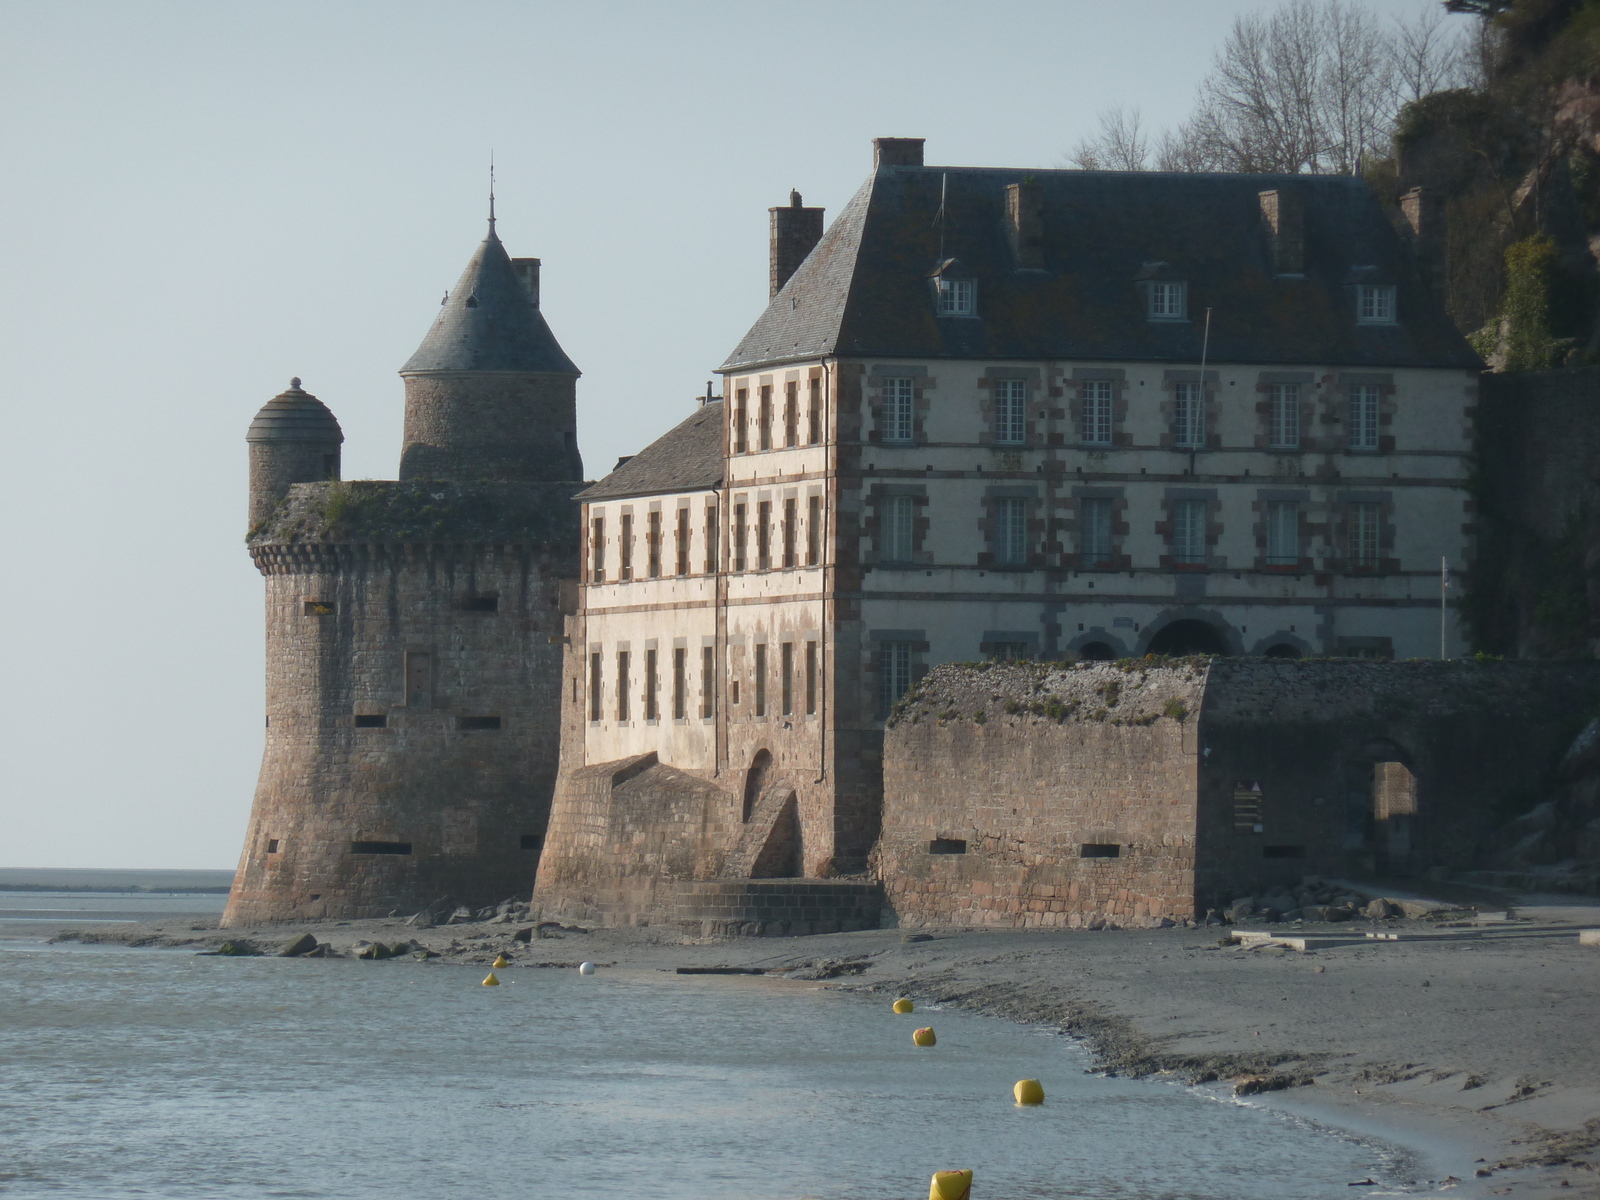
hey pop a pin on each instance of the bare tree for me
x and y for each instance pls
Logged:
(1121, 145)
(1430, 55)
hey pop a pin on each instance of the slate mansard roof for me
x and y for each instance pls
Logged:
(865, 289)
(687, 458)
(489, 324)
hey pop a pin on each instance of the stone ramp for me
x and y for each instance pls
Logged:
(769, 846)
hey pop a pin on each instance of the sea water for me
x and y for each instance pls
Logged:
(159, 1073)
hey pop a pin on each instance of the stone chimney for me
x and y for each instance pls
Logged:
(1423, 210)
(897, 152)
(527, 270)
(1283, 216)
(795, 231)
(1025, 224)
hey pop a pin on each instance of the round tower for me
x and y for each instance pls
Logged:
(490, 394)
(294, 439)
(414, 629)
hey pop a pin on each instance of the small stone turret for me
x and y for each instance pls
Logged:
(293, 439)
(490, 394)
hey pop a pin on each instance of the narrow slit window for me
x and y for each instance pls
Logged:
(813, 530)
(764, 418)
(272, 845)
(1100, 850)
(682, 564)
(814, 414)
(380, 847)
(595, 669)
(741, 532)
(791, 414)
(622, 685)
(811, 679)
(712, 548)
(764, 535)
(478, 723)
(652, 685)
(786, 677)
(371, 721)
(708, 681)
(761, 680)
(320, 608)
(597, 550)
(947, 846)
(625, 548)
(653, 543)
(741, 421)
(481, 604)
(680, 683)
(791, 518)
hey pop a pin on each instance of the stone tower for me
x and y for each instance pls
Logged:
(414, 627)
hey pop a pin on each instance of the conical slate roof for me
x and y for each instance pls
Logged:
(294, 416)
(488, 324)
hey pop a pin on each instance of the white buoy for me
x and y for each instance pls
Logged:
(586, 968)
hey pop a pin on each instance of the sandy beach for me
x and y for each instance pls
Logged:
(1474, 1044)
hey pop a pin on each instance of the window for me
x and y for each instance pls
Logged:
(477, 722)
(1169, 301)
(764, 418)
(622, 685)
(1283, 534)
(1375, 304)
(761, 680)
(1095, 397)
(319, 608)
(813, 530)
(791, 414)
(1364, 417)
(791, 517)
(894, 672)
(625, 548)
(1189, 416)
(1010, 651)
(1363, 535)
(380, 847)
(1100, 850)
(786, 677)
(272, 845)
(814, 414)
(680, 683)
(708, 674)
(594, 686)
(1189, 531)
(897, 423)
(1011, 530)
(1094, 531)
(958, 297)
(1283, 416)
(741, 421)
(711, 539)
(652, 684)
(371, 721)
(740, 533)
(1010, 412)
(947, 846)
(894, 528)
(597, 550)
(481, 604)
(811, 679)
(652, 539)
(764, 535)
(682, 564)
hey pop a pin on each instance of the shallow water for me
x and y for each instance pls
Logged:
(78, 907)
(158, 1073)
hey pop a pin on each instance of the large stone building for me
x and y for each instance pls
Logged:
(1007, 414)
(414, 626)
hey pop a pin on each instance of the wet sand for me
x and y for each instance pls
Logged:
(1475, 1045)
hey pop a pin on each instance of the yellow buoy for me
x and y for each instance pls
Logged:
(490, 980)
(1028, 1091)
(924, 1036)
(904, 1005)
(950, 1185)
(502, 961)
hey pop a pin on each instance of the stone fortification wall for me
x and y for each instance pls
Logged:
(1027, 794)
(413, 696)
(1349, 768)
(623, 835)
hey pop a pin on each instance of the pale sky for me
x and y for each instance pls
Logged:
(201, 200)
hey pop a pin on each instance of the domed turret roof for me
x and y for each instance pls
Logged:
(294, 416)
(488, 323)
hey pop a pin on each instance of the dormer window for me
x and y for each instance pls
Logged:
(1375, 304)
(1168, 301)
(958, 297)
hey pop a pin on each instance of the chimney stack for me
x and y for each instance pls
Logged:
(1025, 223)
(795, 231)
(527, 270)
(1423, 210)
(1283, 216)
(896, 152)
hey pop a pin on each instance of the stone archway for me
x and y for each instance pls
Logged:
(1186, 636)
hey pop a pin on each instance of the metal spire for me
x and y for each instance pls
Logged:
(491, 193)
